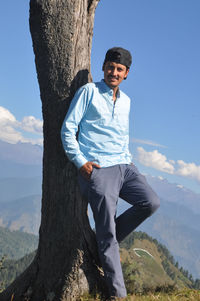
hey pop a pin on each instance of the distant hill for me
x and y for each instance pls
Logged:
(173, 224)
(13, 268)
(178, 228)
(12, 189)
(147, 266)
(22, 214)
(180, 238)
(20, 160)
(175, 193)
(21, 153)
(16, 244)
(176, 223)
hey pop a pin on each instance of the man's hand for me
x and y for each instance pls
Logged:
(87, 168)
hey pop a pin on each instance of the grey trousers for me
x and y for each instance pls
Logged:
(103, 189)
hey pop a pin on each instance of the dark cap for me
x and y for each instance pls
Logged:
(119, 55)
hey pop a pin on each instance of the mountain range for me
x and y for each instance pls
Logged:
(147, 265)
(176, 224)
(20, 160)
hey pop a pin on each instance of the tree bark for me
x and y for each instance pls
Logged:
(66, 264)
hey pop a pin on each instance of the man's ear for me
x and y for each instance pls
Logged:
(126, 74)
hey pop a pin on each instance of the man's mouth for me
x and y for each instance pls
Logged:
(112, 78)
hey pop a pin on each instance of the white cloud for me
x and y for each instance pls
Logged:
(8, 123)
(160, 162)
(11, 129)
(32, 125)
(190, 170)
(147, 142)
(155, 159)
(5, 115)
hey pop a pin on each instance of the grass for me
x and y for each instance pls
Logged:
(191, 295)
(185, 295)
(143, 253)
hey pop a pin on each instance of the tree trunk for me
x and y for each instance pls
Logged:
(66, 264)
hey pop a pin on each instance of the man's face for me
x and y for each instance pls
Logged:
(114, 74)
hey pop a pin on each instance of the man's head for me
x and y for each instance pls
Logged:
(116, 66)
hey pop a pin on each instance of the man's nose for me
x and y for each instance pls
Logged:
(114, 71)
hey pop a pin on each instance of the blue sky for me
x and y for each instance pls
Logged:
(163, 83)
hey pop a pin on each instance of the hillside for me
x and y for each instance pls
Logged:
(175, 193)
(13, 268)
(176, 224)
(21, 153)
(177, 227)
(172, 226)
(22, 214)
(147, 265)
(13, 189)
(20, 160)
(16, 244)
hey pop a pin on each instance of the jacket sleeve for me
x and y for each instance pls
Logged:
(70, 127)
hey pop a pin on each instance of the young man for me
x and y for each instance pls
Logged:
(100, 112)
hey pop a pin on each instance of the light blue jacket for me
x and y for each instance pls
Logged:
(102, 126)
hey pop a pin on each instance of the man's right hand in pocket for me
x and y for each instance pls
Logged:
(87, 168)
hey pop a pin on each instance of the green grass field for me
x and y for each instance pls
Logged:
(185, 295)
(191, 295)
